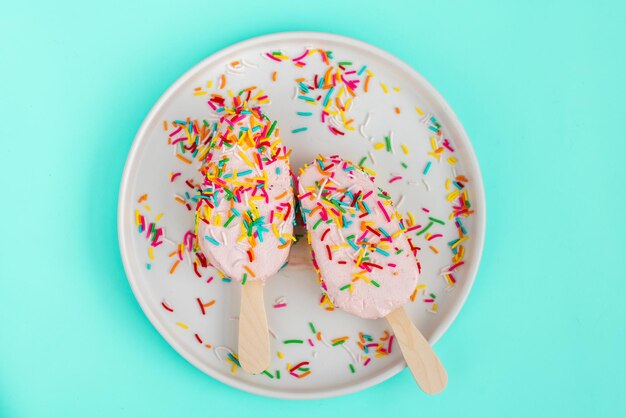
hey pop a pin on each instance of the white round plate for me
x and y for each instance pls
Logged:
(399, 104)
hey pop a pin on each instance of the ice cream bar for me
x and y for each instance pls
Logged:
(365, 262)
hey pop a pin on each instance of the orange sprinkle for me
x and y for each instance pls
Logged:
(436, 251)
(274, 76)
(165, 125)
(304, 374)
(183, 159)
(142, 198)
(179, 200)
(176, 263)
(208, 345)
(367, 82)
(222, 81)
(249, 271)
(397, 110)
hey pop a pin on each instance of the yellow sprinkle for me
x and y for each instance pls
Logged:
(369, 171)
(434, 308)
(218, 219)
(158, 217)
(453, 195)
(199, 93)
(452, 160)
(411, 218)
(433, 143)
(419, 111)
(453, 246)
(150, 253)
(404, 149)
(379, 145)
(280, 355)
(396, 89)
(184, 326)
(209, 84)
(385, 89)
(447, 184)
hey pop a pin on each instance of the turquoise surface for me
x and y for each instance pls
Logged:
(537, 84)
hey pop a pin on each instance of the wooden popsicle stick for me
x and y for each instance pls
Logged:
(254, 342)
(419, 355)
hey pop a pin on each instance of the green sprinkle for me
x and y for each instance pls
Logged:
(229, 221)
(432, 295)
(245, 277)
(388, 143)
(403, 164)
(351, 368)
(427, 168)
(277, 374)
(338, 343)
(269, 133)
(425, 229)
(317, 223)
(362, 161)
(439, 221)
(375, 283)
(295, 131)
(312, 328)
(344, 63)
(345, 287)
(293, 342)
(268, 374)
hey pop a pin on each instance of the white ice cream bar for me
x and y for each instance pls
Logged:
(365, 262)
(245, 212)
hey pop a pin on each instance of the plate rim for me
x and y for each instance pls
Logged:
(125, 201)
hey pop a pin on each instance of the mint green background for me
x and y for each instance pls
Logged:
(539, 86)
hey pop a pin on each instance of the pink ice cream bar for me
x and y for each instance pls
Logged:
(245, 210)
(365, 262)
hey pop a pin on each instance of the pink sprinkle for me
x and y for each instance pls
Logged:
(457, 265)
(425, 210)
(447, 145)
(311, 343)
(270, 56)
(367, 361)
(301, 56)
(429, 300)
(280, 305)
(389, 346)
(432, 237)
(396, 178)
(174, 177)
(210, 279)
(380, 205)
(176, 131)
(391, 264)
